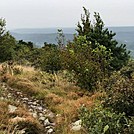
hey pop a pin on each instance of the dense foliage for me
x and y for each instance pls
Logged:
(7, 43)
(10, 49)
(47, 58)
(89, 65)
(97, 33)
(103, 121)
(120, 92)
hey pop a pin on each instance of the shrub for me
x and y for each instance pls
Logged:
(46, 58)
(88, 65)
(128, 70)
(120, 94)
(103, 121)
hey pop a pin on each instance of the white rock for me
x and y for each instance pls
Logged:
(44, 111)
(76, 126)
(50, 131)
(32, 106)
(40, 108)
(11, 108)
(21, 95)
(30, 110)
(30, 103)
(21, 132)
(18, 93)
(1, 98)
(48, 127)
(77, 123)
(26, 99)
(42, 118)
(34, 115)
(34, 103)
(40, 114)
(46, 122)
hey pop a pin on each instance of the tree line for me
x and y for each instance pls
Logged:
(91, 56)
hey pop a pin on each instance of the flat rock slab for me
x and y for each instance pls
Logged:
(12, 108)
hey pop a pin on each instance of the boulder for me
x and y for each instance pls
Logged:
(76, 126)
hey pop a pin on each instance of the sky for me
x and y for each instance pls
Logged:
(64, 13)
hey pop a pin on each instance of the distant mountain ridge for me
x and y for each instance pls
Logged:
(38, 36)
(43, 30)
(39, 39)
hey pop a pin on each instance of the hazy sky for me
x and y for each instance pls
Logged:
(64, 13)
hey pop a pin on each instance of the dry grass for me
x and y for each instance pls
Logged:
(26, 68)
(3, 114)
(61, 96)
(12, 123)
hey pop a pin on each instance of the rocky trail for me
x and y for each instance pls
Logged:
(35, 107)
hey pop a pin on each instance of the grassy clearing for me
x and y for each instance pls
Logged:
(61, 96)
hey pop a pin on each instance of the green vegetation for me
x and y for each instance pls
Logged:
(88, 65)
(91, 78)
(97, 34)
(120, 94)
(103, 121)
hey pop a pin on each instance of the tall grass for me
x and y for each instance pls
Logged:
(60, 94)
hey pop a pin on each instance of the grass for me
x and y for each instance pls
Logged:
(60, 95)
(13, 123)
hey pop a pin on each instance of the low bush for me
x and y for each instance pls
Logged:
(120, 94)
(103, 121)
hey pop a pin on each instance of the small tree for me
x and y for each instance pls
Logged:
(47, 58)
(88, 65)
(7, 43)
(60, 39)
(97, 33)
(51, 58)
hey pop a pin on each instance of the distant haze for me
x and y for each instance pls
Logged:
(64, 13)
(124, 35)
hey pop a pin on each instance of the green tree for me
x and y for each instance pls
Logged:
(97, 33)
(7, 43)
(88, 65)
(47, 58)
(51, 61)
(23, 51)
(28, 44)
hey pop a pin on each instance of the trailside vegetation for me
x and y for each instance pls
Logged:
(93, 63)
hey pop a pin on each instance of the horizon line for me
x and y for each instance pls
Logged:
(60, 27)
